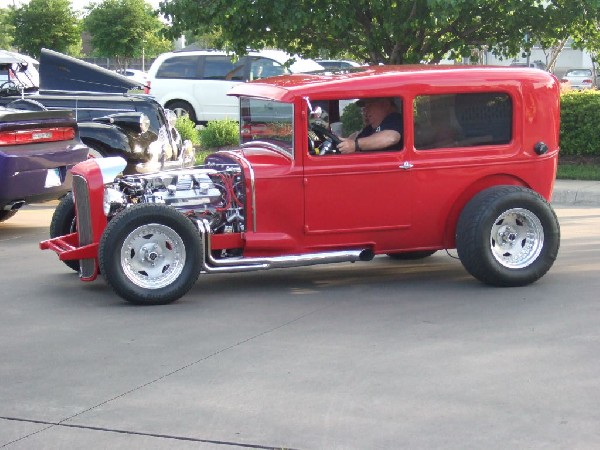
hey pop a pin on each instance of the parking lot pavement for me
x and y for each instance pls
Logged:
(576, 192)
(377, 355)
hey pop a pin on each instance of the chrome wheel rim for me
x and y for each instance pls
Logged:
(517, 238)
(153, 256)
(181, 112)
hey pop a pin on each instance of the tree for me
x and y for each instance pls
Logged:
(387, 31)
(7, 29)
(578, 20)
(50, 24)
(125, 29)
(384, 31)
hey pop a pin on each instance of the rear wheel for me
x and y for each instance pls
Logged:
(64, 222)
(150, 254)
(507, 236)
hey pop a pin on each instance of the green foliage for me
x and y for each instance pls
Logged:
(352, 119)
(398, 32)
(578, 172)
(48, 24)
(220, 133)
(580, 123)
(187, 129)
(123, 29)
(201, 156)
(7, 29)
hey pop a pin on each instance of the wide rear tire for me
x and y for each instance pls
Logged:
(507, 236)
(150, 254)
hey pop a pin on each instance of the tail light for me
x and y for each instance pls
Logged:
(147, 88)
(587, 81)
(36, 135)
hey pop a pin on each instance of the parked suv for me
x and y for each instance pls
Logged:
(196, 82)
(474, 171)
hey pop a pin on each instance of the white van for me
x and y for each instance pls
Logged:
(195, 82)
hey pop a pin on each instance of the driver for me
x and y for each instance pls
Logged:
(383, 130)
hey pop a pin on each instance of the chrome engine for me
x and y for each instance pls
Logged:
(214, 193)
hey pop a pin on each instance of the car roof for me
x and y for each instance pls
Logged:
(376, 81)
(7, 57)
(300, 64)
(348, 61)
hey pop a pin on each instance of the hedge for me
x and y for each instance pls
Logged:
(580, 123)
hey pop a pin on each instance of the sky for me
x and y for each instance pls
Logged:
(78, 5)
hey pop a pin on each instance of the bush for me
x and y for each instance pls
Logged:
(351, 119)
(220, 133)
(580, 123)
(187, 129)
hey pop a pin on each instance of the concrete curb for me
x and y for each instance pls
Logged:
(576, 192)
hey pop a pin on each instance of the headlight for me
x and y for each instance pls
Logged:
(113, 201)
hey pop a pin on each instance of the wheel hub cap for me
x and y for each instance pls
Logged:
(153, 256)
(517, 238)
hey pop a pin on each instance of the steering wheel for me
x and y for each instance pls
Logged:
(9, 87)
(329, 140)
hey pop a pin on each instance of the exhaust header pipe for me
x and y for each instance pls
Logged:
(212, 265)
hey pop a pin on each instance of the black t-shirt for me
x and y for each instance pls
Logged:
(392, 121)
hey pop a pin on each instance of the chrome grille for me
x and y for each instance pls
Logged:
(87, 267)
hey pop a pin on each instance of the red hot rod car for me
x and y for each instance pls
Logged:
(474, 170)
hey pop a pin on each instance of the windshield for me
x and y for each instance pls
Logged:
(267, 121)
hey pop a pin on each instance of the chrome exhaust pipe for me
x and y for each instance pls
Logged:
(13, 206)
(212, 265)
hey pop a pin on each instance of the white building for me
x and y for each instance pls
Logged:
(569, 58)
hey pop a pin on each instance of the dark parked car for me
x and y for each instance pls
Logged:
(37, 151)
(111, 121)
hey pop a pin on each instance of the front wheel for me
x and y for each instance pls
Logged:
(507, 236)
(150, 254)
(183, 109)
(63, 223)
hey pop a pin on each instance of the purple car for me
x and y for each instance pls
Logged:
(37, 151)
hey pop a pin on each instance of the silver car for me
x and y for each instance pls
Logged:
(579, 78)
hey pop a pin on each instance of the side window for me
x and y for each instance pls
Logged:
(351, 119)
(222, 68)
(462, 120)
(264, 68)
(179, 67)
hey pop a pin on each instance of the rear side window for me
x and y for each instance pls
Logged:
(462, 120)
(265, 68)
(221, 68)
(179, 67)
(579, 73)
